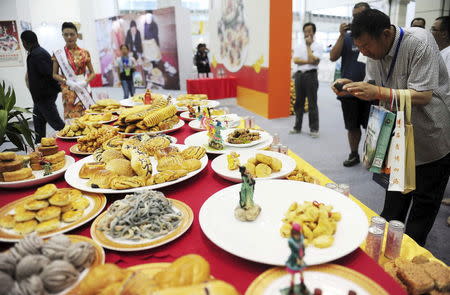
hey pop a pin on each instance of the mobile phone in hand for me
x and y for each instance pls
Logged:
(338, 86)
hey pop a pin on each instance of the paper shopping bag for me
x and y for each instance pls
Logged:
(383, 143)
(410, 160)
(374, 125)
(397, 150)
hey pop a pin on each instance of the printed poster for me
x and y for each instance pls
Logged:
(10, 53)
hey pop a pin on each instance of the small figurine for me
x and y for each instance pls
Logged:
(247, 209)
(192, 113)
(214, 133)
(295, 263)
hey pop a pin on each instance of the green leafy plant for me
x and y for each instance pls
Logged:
(14, 127)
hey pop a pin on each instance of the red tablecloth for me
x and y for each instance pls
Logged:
(228, 267)
(214, 87)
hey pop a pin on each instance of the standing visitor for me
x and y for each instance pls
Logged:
(126, 65)
(409, 59)
(73, 62)
(355, 111)
(151, 28)
(202, 61)
(307, 58)
(134, 41)
(418, 22)
(44, 90)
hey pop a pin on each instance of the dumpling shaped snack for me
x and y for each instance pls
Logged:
(31, 265)
(31, 244)
(8, 263)
(187, 270)
(56, 247)
(6, 283)
(191, 164)
(262, 170)
(81, 255)
(59, 275)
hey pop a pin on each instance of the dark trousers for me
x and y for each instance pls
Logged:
(45, 111)
(431, 181)
(306, 86)
(128, 88)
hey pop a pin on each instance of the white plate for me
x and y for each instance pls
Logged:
(330, 278)
(75, 181)
(201, 139)
(174, 128)
(171, 138)
(67, 137)
(129, 102)
(196, 125)
(263, 136)
(220, 165)
(185, 116)
(39, 177)
(260, 240)
(211, 104)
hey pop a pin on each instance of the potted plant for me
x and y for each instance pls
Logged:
(14, 127)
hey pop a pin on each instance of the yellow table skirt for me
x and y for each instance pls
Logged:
(410, 248)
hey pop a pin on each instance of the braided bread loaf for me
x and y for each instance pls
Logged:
(159, 115)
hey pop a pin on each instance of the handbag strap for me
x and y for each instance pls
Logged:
(405, 104)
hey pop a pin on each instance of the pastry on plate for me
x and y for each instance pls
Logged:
(45, 191)
(48, 141)
(35, 205)
(71, 216)
(20, 174)
(9, 166)
(121, 167)
(24, 215)
(101, 179)
(48, 213)
(193, 152)
(48, 150)
(191, 164)
(48, 225)
(88, 169)
(26, 227)
(61, 198)
(7, 156)
(141, 164)
(111, 154)
(55, 158)
(7, 221)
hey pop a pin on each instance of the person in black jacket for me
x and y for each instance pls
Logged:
(201, 60)
(134, 41)
(43, 88)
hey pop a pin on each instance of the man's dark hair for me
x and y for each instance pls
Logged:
(310, 24)
(370, 21)
(29, 37)
(133, 24)
(361, 4)
(124, 45)
(419, 19)
(68, 25)
(445, 24)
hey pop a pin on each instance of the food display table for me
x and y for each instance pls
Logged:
(225, 266)
(214, 87)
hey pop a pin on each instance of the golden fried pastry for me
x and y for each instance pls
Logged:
(168, 151)
(58, 166)
(48, 225)
(9, 166)
(36, 157)
(80, 203)
(170, 163)
(156, 143)
(101, 179)
(264, 159)
(20, 174)
(35, 205)
(169, 175)
(73, 193)
(153, 118)
(100, 277)
(7, 221)
(233, 161)
(45, 191)
(56, 158)
(71, 216)
(26, 227)
(61, 198)
(191, 164)
(48, 150)
(48, 141)
(194, 152)
(24, 215)
(121, 167)
(251, 168)
(276, 164)
(113, 143)
(262, 170)
(88, 169)
(48, 213)
(131, 145)
(7, 156)
(126, 182)
(111, 154)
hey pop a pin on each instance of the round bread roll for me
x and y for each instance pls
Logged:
(36, 205)
(121, 167)
(72, 215)
(6, 283)
(7, 263)
(7, 221)
(7, 156)
(26, 227)
(25, 215)
(61, 198)
(111, 154)
(59, 275)
(45, 191)
(48, 141)
(81, 255)
(30, 265)
(56, 247)
(48, 213)
(262, 170)
(48, 225)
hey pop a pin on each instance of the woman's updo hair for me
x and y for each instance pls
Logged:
(68, 25)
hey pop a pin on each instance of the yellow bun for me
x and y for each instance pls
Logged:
(61, 198)
(72, 192)
(71, 216)
(7, 221)
(7, 156)
(48, 225)
(36, 205)
(45, 191)
(48, 213)
(112, 154)
(24, 216)
(26, 227)
(20, 174)
(48, 141)
(262, 170)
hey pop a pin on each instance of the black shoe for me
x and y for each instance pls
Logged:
(353, 159)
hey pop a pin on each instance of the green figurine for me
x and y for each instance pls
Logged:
(247, 209)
